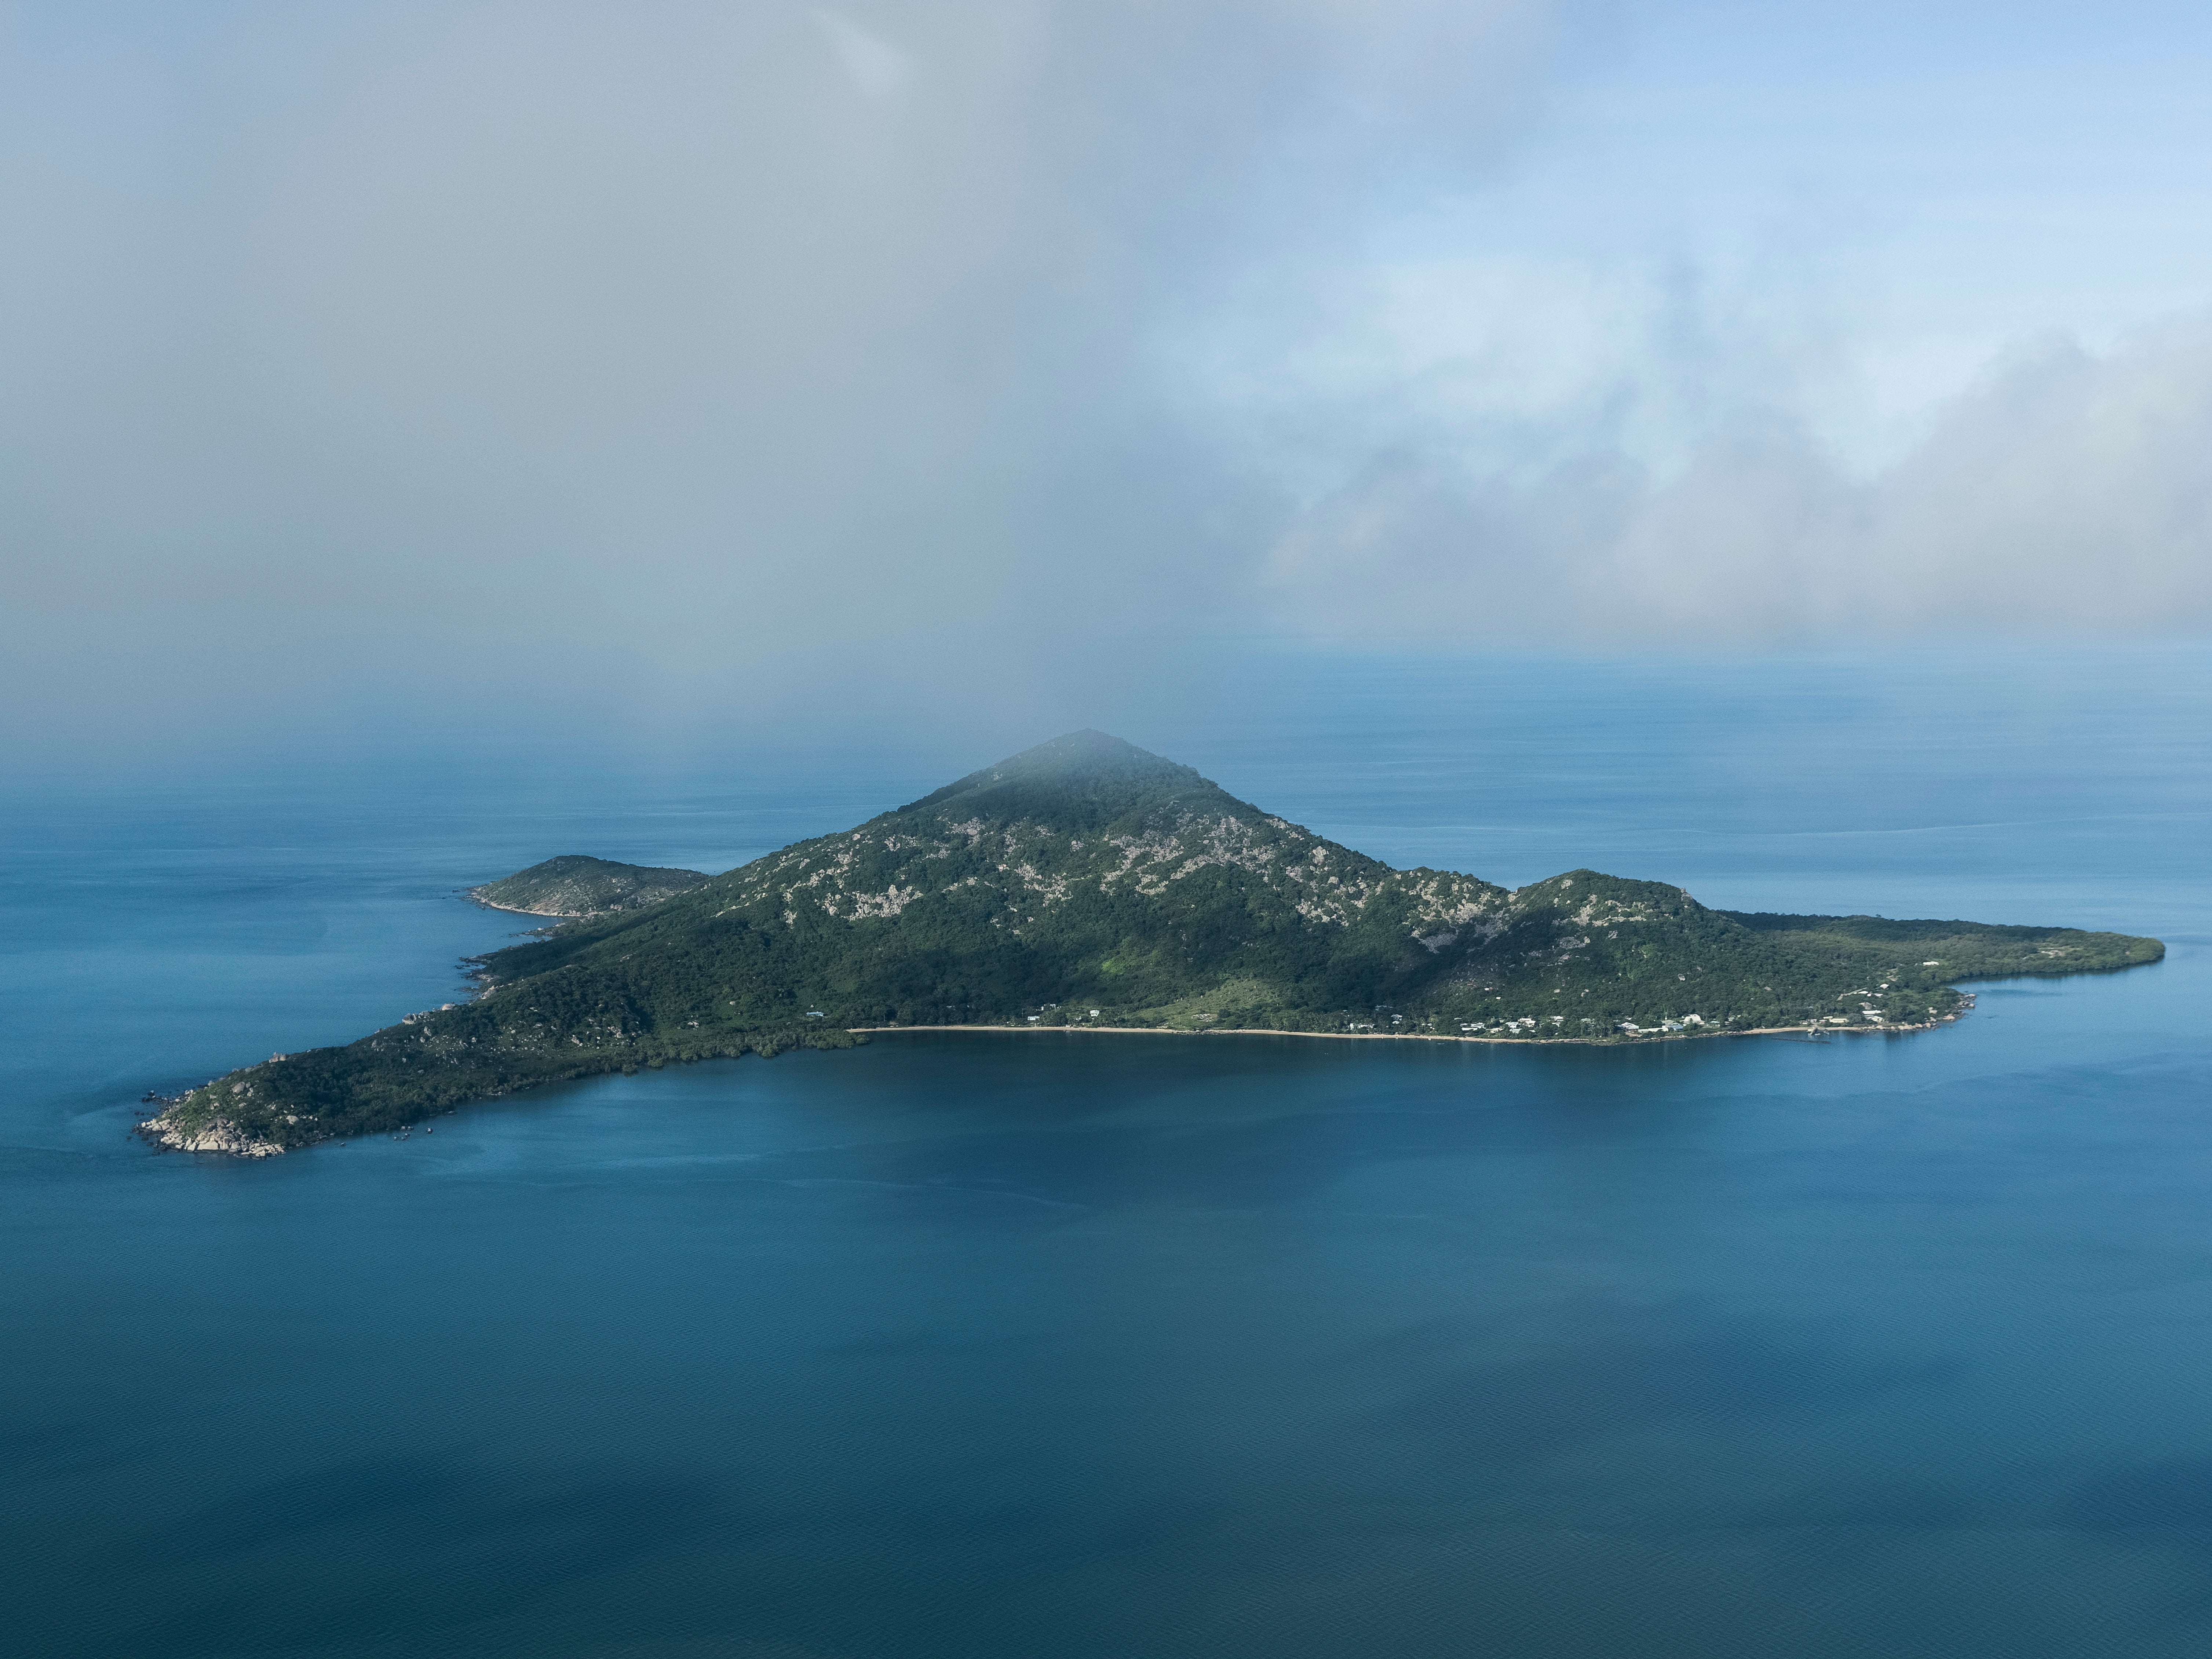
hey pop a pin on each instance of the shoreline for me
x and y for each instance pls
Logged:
(474, 895)
(1803, 1033)
(221, 1136)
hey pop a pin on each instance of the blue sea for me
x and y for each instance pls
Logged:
(1115, 1348)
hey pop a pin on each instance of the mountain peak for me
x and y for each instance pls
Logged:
(1091, 766)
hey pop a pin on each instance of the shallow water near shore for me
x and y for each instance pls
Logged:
(967, 1345)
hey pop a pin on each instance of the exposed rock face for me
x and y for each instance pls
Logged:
(218, 1135)
(1042, 861)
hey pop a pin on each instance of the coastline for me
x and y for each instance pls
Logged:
(1803, 1033)
(222, 1136)
(475, 895)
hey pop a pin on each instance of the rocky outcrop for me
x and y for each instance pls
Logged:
(216, 1136)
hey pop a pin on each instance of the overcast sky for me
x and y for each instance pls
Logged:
(672, 363)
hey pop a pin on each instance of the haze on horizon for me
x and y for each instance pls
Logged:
(888, 363)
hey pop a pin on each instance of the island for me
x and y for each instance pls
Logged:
(1087, 884)
(574, 887)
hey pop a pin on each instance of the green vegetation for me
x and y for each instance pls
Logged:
(1089, 883)
(573, 886)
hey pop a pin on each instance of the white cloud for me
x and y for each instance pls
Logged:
(342, 348)
(2064, 493)
(682, 359)
(878, 70)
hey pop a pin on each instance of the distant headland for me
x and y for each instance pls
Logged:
(1088, 884)
(575, 887)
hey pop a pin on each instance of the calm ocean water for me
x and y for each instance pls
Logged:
(1149, 1346)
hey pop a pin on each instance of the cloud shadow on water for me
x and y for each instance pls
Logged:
(374, 1548)
(1653, 1371)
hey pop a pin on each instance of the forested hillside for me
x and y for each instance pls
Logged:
(1087, 882)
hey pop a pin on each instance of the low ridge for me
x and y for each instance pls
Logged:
(1088, 882)
(575, 886)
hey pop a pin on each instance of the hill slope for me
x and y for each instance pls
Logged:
(1088, 882)
(577, 886)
